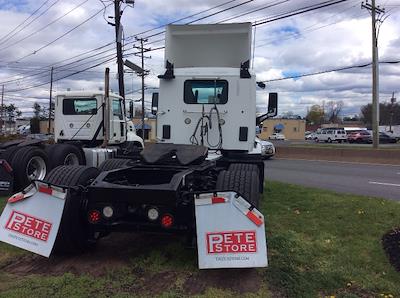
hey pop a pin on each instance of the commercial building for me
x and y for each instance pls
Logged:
(293, 129)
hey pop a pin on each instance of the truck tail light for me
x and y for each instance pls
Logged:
(167, 220)
(94, 216)
(6, 166)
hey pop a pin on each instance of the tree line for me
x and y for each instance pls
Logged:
(389, 114)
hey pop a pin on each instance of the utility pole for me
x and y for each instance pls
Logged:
(375, 71)
(118, 40)
(51, 91)
(2, 107)
(142, 74)
(392, 101)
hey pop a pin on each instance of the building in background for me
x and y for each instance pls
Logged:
(293, 129)
(149, 128)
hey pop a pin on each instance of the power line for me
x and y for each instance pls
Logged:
(269, 5)
(101, 47)
(20, 24)
(62, 67)
(298, 11)
(181, 19)
(328, 71)
(306, 30)
(69, 75)
(25, 26)
(286, 14)
(205, 17)
(44, 27)
(63, 77)
(61, 36)
(104, 46)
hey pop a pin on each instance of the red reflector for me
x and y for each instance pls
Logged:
(254, 218)
(217, 200)
(167, 220)
(15, 198)
(6, 166)
(94, 216)
(45, 189)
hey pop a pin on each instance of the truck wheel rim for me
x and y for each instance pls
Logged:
(36, 168)
(71, 159)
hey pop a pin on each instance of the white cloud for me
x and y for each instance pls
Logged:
(332, 37)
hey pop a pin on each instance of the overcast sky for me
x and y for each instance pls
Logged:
(74, 35)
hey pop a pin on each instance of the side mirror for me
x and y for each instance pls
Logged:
(272, 108)
(154, 103)
(273, 104)
(131, 109)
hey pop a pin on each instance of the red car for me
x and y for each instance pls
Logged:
(361, 136)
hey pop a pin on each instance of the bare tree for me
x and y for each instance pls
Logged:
(332, 111)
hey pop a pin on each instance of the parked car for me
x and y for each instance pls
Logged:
(277, 136)
(267, 148)
(311, 136)
(329, 135)
(361, 136)
(385, 138)
(24, 129)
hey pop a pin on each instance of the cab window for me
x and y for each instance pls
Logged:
(205, 92)
(116, 106)
(80, 106)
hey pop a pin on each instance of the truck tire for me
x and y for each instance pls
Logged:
(64, 154)
(74, 235)
(245, 183)
(9, 153)
(243, 167)
(113, 163)
(29, 163)
(72, 175)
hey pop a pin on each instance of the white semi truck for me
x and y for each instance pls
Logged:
(203, 178)
(89, 128)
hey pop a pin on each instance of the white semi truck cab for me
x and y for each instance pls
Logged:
(207, 95)
(84, 116)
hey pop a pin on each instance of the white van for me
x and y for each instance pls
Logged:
(329, 135)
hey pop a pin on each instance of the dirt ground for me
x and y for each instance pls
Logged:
(117, 250)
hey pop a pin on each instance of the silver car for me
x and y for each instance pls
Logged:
(267, 148)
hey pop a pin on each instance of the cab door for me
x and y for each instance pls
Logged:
(118, 121)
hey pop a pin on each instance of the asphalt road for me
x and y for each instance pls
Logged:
(279, 143)
(355, 178)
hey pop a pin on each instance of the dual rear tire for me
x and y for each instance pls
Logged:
(33, 163)
(28, 163)
(64, 154)
(74, 234)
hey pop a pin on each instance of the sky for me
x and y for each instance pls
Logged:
(74, 36)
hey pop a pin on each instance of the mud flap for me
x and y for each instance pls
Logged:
(32, 217)
(230, 232)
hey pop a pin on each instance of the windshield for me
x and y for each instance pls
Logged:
(206, 91)
(80, 106)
